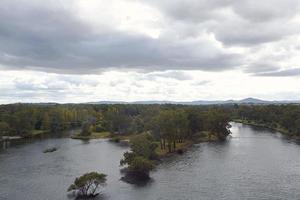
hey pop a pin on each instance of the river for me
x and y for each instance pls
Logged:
(253, 163)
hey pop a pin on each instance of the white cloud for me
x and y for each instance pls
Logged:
(31, 86)
(89, 50)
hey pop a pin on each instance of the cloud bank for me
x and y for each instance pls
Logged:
(160, 41)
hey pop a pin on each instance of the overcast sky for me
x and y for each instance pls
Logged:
(93, 50)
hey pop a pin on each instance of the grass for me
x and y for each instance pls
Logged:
(120, 138)
(205, 136)
(35, 133)
(103, 134)
(94, 135)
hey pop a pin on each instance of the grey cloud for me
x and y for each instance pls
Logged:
(267, 10)
(242, 23)
(51, 38)
(178, 75)
(116, 82)
(52, 84)
(245, 33)
(190, 10)
(281, 73)
(262, 67)
(30, 85)
(203, 10)
(201, 83)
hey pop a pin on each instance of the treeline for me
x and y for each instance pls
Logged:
(285, 118)
(168, 123)
(175, 125)
(24, 119)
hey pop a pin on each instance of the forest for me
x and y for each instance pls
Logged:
(167, 122)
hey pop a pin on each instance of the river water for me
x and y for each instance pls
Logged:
(252, 164)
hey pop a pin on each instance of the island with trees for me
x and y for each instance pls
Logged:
(88, 185)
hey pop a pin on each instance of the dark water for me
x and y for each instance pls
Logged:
(252, 164)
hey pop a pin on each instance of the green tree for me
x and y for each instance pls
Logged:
(143, 145)
(217, 122)
(86, 129)
(4, 129)
(23, 122)
(56, 121)
(139, 160)
(173, 127)
(46, 122)
(117, 120)
(138, 166)
(88, 184)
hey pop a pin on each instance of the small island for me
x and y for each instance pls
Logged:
(88, 185)
(50, 150)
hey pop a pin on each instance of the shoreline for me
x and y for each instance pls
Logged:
(262, 125)
(32, 134)
(94, 135)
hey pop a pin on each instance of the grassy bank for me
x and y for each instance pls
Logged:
(35, 133)
(94, 135)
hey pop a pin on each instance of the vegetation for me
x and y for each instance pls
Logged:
(88, 184)
(26, 119)
(140, 159)
(179, 126)
(283, 118)
(93, 135)
(169, 124)
(4, 129)
(50, 150)
(86, 129)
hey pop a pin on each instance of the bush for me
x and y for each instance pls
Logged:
(179, 151)
(115, 139)
(99, 128)
(137, 165)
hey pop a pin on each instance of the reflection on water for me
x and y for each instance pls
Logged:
(252, 164)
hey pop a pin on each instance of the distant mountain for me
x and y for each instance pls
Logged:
(202, 102)
(108, 102)
(253, 101)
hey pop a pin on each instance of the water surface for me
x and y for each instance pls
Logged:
(252, 164)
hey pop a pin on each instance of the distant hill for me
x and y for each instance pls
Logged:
(202, 102)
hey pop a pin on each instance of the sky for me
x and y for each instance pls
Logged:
(132, 50)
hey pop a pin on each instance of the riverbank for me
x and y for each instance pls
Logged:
(94, 135)
(35, 133)
(274, 127)
(31, 134)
